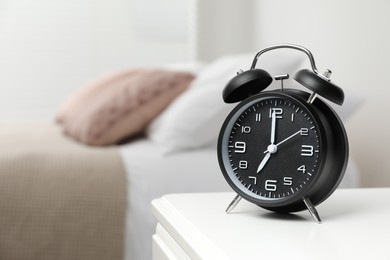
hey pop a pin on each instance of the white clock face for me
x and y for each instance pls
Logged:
(270, 148)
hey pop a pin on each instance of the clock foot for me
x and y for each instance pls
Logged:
(233, 204)
(312, 210)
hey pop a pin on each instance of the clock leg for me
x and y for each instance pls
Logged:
(233, 204)
(312, 210)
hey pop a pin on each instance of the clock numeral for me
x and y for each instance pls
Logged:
(258, 117)
(270, 185)
(302, 168)
(304, 131)
(278, 112)
(287, 181)
(240, 147)
(254, 178)
(243, 165)
(307, 150)
(246, 129)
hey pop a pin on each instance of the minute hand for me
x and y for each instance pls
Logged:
(273, 125)
(288, 138)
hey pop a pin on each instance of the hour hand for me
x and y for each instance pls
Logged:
(270, 150)
(263, 162)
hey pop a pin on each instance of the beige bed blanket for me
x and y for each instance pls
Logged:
(58, 199)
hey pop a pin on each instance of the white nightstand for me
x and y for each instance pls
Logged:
(195, 226)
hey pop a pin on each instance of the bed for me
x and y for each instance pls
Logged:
(60, 199)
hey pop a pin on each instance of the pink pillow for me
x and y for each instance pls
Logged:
(120, 105)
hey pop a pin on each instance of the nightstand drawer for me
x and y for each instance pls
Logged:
(165, 247)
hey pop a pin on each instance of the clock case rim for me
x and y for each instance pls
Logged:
(332, 163)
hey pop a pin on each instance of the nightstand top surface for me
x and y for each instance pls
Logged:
(355, 225)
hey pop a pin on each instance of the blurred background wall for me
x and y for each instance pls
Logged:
(48, 48)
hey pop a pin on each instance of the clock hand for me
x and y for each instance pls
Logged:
(264, 161)
(288, 138)
(270, 150)
(273, 124)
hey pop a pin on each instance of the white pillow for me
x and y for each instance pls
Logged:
(194, 119)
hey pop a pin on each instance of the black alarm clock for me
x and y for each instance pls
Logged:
(284, 150)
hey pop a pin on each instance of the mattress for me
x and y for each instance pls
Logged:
(59, 199)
